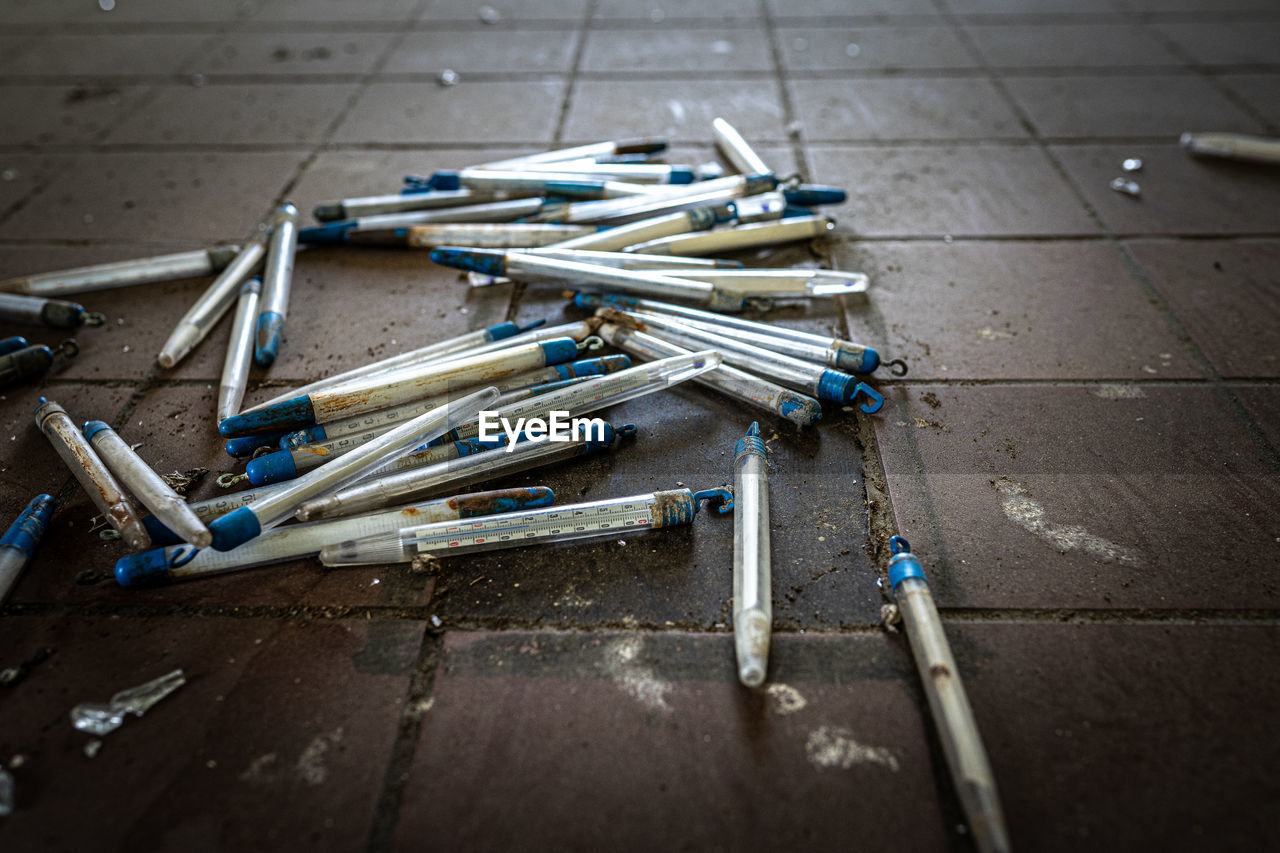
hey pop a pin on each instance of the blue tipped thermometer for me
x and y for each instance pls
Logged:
(833, 352)
(739, 237)
(627, 516)
(123, 273)
(730, 381)
(402, 386)
(182, 562)
(431, 352)
(952, 714)
(277, 281)
(19, 542)
(752, 566)
(532, 267)
(822, 382)
(54, 313)
(13, 344)
(391, 227)
(28, 362)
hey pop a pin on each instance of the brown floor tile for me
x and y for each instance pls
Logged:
(22, 174)
(658, 11)
(427, 112)
(1263, 403)
(1127, 736)
(1069, 45)
(1033, 7)
(509, 11)
(181, 197)
(486, 51)
(786, 9)
(266, 54)
(871, 48)
(961, 191)
(922, 108)
(1161, 6)
(676, 50)
(1260, 91)
(1224, 294)
(994, 310)
(1181, 194)
(1226, 43)
(726, 767)
(674, 110)
(281, 733)
(1067, 710)
(160, 11)
(306, 11)
(63, 115)
(40, 11)
(237, 115)
(1099, 107)
(106, 54)
(1082, 496)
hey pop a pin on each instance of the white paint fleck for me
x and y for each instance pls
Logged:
(786, 699)
(835, 746)
(310, 767)
(677, 109)
(634, 678)
(1027, 513)
(259, 769)
(1119, 392)
(989, 334)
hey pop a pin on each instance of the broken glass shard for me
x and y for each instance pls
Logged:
(99, 719)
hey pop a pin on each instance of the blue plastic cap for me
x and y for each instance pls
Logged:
(798, 408)
(326, 235)
(836, 386)
(903, 564)
(870, 360)
(28, 528)
(328, 212)
(150, 568)
(289, 415)
(13, 344)
(160, 535)
(588, 300)
(92, 428)
(487, 261)
(267, 342)
(444, 179)
(810, 195)
(247, 444)
(791, 211)
(681, 176)
(294, 440)
(234, 529)
(499, 331)
(271, 468)
(558, 350)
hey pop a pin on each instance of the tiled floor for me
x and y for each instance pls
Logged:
(1086, 452)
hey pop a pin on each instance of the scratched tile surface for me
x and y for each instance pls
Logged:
(1085, 452)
